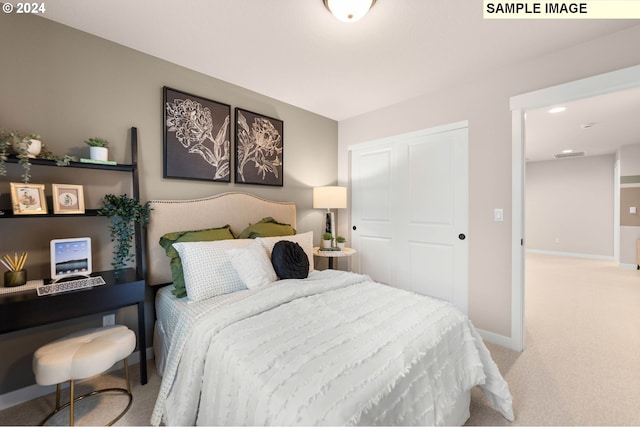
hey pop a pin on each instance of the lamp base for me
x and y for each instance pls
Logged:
(330, 224)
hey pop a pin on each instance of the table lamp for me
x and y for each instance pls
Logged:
(330, 197)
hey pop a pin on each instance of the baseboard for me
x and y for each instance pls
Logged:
(571, 254)
(628, 266)
(34, 391)
(497, 339)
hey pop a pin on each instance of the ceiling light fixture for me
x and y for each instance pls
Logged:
(557, 110)
(348, 10)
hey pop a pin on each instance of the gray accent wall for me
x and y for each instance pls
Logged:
(67, 86)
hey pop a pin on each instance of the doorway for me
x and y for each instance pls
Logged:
(592, 86)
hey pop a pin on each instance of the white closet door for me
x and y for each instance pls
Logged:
(372, 198)
(410, 212)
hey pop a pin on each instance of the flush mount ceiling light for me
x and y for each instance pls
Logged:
(348, 10)
(557, 110)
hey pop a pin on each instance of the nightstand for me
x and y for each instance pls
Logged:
(346, 252)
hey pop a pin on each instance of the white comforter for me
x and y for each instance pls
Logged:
(334, 349)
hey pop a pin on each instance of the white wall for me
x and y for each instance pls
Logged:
(630, 159)
(484, 102)
(570, 204)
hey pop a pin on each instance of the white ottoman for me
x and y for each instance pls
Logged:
(82, 355)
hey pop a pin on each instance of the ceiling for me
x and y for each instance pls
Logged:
(297, 52)
(595, 126)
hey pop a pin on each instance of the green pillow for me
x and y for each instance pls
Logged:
(267, 227)
(167, 241)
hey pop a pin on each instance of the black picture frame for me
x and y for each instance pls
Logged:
(197, 134)
(259, 143)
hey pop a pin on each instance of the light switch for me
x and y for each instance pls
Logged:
(498, 215)
(632, 210)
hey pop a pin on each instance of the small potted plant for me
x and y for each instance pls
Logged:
(327, 238)
(98, 148)
(123, 212)
(340, 241)
(24, 146)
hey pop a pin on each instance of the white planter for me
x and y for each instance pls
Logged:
(99, 153)
(341, 245)
(33, 150)
(326, 244)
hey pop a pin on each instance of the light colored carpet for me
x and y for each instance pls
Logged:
(96, 410)
(581, 365)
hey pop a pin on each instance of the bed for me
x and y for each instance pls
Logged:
(331, 348)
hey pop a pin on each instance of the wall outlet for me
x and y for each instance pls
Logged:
(109, 319)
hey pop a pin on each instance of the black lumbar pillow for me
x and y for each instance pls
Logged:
(289, 260)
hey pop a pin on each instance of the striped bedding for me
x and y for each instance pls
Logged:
(333, 349)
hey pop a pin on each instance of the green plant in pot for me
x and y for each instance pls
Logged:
(98, 148)
(123, 212)
(97, 142)
(25, 147)
(327, 239)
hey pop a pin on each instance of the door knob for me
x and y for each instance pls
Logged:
(461, 236)
(354, 228)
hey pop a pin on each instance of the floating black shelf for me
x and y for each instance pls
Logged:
(79, 165)
(87, 212)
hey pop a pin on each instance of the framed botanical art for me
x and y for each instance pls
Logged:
(28, 199)
(68, 199)
(196, 137)
(259, 143)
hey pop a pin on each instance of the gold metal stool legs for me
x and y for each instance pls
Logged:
(72, 400)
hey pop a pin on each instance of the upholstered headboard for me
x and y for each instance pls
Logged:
(236, 209)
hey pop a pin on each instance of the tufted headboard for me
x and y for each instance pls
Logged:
(236, 209)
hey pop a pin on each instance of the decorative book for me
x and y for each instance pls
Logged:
(98, 162)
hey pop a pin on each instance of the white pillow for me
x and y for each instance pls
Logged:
(207, 268)
(303, 239)
(253, 265)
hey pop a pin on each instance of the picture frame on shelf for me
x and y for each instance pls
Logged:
(197, 134)
(68, 199)
(28, 199)
(259, 149)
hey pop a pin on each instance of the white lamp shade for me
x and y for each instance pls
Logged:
(348, 10)
(331, 197)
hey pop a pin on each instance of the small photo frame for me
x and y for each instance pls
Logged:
(68, 199)
(28, 199)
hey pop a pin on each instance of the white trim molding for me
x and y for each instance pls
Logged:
(496, 339)
(571, 254)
